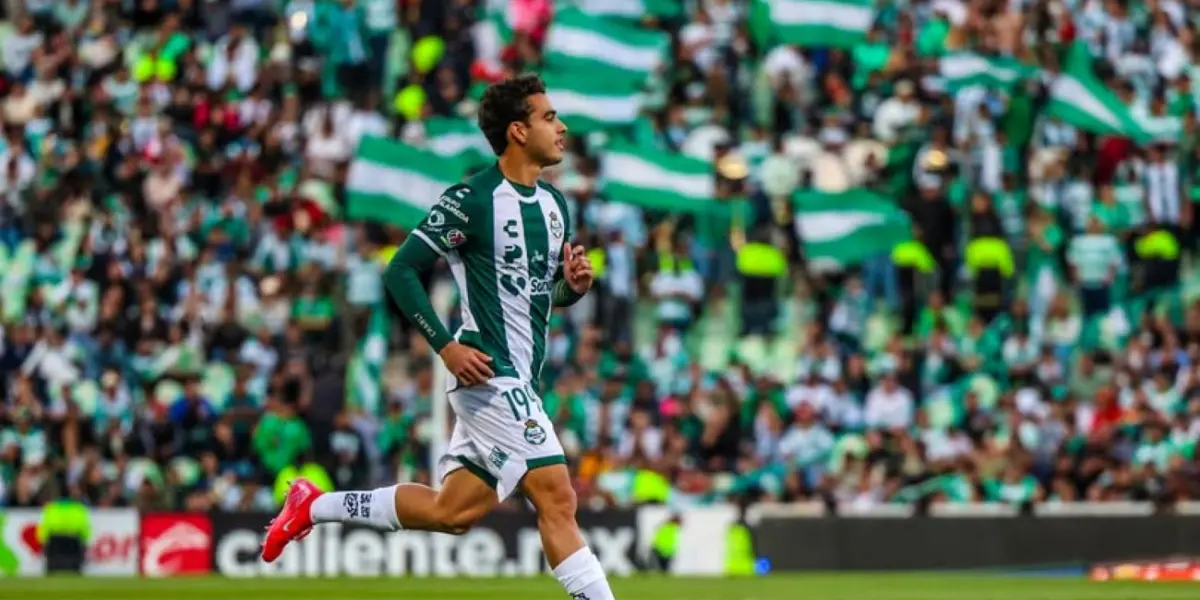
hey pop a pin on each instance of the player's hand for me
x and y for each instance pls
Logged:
(468, 365)
(577, 268)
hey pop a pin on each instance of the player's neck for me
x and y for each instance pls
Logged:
(518, 169)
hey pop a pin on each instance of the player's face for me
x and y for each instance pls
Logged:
(546, 138)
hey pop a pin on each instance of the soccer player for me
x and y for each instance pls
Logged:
(506, 237)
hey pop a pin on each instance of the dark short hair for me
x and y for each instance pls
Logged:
(504, 103)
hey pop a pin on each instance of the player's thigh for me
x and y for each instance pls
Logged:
(465, 497)
(549, 489)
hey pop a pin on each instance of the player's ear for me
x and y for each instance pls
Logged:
(519, 132)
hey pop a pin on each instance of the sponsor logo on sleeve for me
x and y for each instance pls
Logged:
(453, 207)
(454, 238)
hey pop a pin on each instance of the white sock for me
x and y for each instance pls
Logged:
(376, 508)
(583, 577)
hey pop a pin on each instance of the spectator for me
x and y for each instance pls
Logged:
(677, 287)
(280, 437)
(1095, 260)
(889, 406)
(194, 415)
(20, 48)
(807, 445)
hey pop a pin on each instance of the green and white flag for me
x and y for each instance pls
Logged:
(631, 9)
(963, 69)
(365, 380)
(657, 180)
(587, 104)
(603, 48)
(459, 139)
(834, 23)
(390, 182)
(843, 229)
(493, 32)
(1078, 98)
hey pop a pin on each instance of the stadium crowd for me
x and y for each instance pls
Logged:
(183, 300)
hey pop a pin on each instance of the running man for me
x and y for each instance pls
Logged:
(506, 237)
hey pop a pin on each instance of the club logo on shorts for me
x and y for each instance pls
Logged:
(534, 434)
(556, 226)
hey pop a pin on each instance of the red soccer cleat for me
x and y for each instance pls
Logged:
(293, 522)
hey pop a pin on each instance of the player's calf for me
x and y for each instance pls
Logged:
(454, 509)
(575, 566)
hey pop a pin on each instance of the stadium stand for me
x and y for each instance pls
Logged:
(923, 252)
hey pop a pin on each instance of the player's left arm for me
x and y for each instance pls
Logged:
(574, 277)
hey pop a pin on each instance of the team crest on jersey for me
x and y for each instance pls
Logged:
(556, 225)
(454, 238)
(534, 434)
(436, 218)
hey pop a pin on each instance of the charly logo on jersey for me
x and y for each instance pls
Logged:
(436, 218)
(534, 433)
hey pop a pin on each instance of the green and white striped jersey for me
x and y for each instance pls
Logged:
(1094, 257)
(503, 241)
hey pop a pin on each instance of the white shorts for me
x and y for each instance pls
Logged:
(502, 433)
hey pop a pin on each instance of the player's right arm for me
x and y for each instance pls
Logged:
(444, 229)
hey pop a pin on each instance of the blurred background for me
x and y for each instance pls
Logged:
(852, 255)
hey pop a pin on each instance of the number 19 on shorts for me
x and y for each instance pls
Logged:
(521, 403)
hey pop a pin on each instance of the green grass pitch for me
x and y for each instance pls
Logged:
(842, 586)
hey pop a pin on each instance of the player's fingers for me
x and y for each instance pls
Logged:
(481, 368)
(481, 356)
(469, 378)
(464, 376)
(568, 256)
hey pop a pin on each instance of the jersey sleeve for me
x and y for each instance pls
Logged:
(447, 227)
